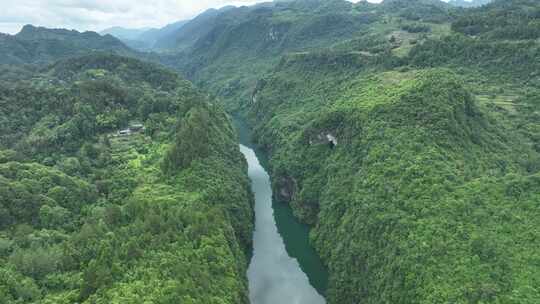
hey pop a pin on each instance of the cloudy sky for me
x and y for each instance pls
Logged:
(97, 15)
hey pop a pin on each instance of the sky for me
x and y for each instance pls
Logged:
(100, 14)
(96, 15)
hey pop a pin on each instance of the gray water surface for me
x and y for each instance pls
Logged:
(274, 277)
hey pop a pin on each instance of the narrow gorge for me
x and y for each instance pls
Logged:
(284, 267)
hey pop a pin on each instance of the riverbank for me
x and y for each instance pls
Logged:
(284, 267)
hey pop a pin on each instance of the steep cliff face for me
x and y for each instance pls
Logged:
(399, 205)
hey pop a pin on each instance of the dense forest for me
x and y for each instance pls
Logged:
(433, 179)
(38, 45)
(89, 216)
(406, 134)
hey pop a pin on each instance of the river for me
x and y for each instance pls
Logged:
(284, 267)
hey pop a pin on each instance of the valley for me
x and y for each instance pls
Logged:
(389, 153)
(403, 93)
(284, 266)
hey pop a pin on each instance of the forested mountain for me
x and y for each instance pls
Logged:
(177, 38)
(124, 34)
(240, 45)
(130, 37)
(406, 133)
(38, 45)
(143, 39)
(91, 216)
(409, 199)
(472, 3)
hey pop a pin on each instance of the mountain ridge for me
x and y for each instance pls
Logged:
(40, 45)
(146, 38)
(405, 134)
(379, 136)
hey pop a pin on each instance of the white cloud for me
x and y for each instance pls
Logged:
(97, 15)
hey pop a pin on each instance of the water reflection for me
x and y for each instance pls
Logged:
(274, 277)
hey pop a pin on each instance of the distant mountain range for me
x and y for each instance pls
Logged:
(465, 3)
(143, 38)
(125, 33)
(405, 133)
(186, 35)
(39, 45)
(178, 35)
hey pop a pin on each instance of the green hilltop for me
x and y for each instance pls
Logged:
(39, 45)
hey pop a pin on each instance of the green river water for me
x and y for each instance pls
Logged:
(284, 267)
